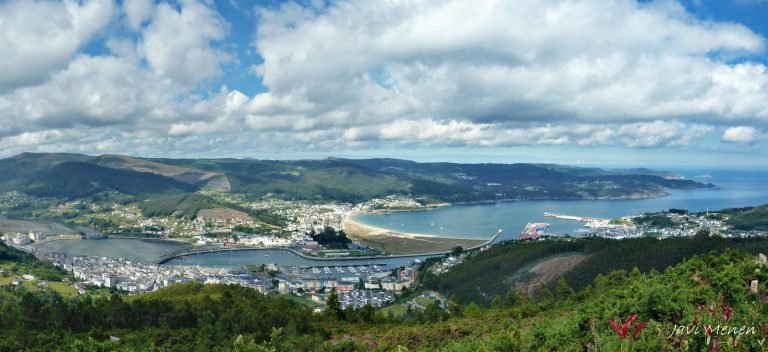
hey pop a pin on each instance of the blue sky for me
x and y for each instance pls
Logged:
(649, 83)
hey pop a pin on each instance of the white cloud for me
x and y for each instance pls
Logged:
(178, 43)
(523, 61)
(137, 12)
(39, 37)
(376, 74)
(740, 134)
(93, 91)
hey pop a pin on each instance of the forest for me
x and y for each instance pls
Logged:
(484, 275)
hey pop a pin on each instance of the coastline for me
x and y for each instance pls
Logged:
(398, 243)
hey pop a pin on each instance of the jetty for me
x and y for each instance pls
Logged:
(572, 217)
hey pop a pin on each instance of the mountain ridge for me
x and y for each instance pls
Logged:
(352, 180)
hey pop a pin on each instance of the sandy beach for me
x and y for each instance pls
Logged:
(403, 243)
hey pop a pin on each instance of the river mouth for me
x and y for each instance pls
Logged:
(151, 251)
(140, 250)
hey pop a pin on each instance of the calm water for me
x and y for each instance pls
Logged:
(239, 258)
(737, 189)
(145, 251)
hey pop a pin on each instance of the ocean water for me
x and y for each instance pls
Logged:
(735, 189)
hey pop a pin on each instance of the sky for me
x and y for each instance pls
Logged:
(603, 82)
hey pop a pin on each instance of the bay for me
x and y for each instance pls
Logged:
(735, 189)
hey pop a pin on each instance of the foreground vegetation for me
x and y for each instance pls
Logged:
(708, 289)
(489, 274)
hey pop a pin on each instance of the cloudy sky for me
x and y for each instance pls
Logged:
(618, 82)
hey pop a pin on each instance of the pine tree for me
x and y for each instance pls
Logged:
(563, 291)
(334, 307)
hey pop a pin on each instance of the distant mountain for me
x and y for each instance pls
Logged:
(74, 175)
(644, 171)
(81, 179)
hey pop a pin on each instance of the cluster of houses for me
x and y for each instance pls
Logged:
(447, 263)
(388, 202)
(134, 277)
(317, 281)
(24, 238)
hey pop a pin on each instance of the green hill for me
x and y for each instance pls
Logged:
(490, 273)
(748, 219)
(81, 179)
(329, 179)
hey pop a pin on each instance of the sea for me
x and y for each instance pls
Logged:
(735, 188)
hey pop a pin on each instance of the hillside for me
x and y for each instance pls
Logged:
(206, 180)
(81, 179)
(491, 273)
(706, 290)
(328, 179)
(748, 219)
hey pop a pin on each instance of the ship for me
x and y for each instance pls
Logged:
(533, 230)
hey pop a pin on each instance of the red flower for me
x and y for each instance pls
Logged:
(622, 329)
(727, 311)
(640, 326)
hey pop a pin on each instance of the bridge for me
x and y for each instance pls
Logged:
(193, 250)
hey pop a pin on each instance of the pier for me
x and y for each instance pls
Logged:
(572, 217)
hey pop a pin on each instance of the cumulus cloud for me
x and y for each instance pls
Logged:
(39, 37)
(374, 74)
(540, 61)
(178, 43)
(137, 12)
(740, 134)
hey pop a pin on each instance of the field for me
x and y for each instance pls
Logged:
(222, 213)
(10, 226)
(304, 301)
(62, 288)
(397, 310)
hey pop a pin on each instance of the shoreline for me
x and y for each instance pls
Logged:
(370, 229)
(398, 243)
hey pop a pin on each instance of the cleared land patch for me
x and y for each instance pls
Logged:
(222, 213)
(547, 271)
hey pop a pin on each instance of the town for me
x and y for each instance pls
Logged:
(300, 222)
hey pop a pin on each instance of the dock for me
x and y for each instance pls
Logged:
(572, 217)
